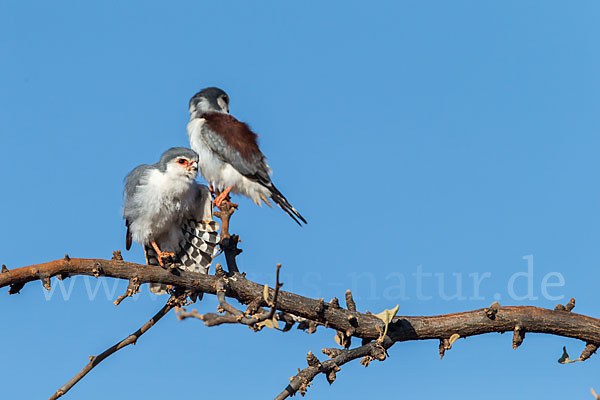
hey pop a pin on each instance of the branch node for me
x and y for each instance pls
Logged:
(132, 288)
(117, 256)
(366, 361)
(320, 307)
(4, 269)
(312, 327)
(15, 288)
(567, 307)
(588, 351)
(219, 272)
(334, 303)
(570, 305)
(446, 344)
(67, 258)
(350, 304)
(312, 360)
(492, 310)
(331, 374)
(343, 339)
(332, 352)
(45, 281)
(518, 336)
(352, 320)
(97, 270)
(443, 345)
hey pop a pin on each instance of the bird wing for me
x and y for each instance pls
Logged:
(132, 181)
(235, 143)
(198, 239)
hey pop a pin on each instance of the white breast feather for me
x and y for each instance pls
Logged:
(160, 201)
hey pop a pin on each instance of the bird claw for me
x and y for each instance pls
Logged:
(223, 196)
(166, 255)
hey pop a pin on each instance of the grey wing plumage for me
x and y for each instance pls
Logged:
(132, 180)
(253, 166)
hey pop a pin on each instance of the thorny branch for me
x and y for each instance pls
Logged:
(131, 339)
(252, 317)
(293, 308)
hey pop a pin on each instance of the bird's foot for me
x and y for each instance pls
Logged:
(223, 196)
(161, 254)
(166, 254)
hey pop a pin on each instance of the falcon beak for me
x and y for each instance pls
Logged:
(194, 166)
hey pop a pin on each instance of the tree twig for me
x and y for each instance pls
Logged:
(131, 339)
(303, 379)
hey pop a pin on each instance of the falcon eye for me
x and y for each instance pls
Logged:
(182, 161)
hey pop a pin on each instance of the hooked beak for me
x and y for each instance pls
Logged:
(193, 166)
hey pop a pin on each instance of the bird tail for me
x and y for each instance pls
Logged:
(285, 205)
(194, 252)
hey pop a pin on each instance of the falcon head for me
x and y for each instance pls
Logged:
(211, 99)
(179, 162)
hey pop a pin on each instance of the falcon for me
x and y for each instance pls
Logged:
(230, 159)
(170, 214)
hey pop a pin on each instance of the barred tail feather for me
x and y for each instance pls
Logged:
(194, 252)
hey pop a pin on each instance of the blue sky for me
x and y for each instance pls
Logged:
(430, 145)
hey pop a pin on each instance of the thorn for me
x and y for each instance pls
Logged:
(331, 374)
(443, 345)
(518, 336)
(67, 258)
(319, 308)
(588, 351)
(46, 282)
(15, 288)
(567, 307)
(350, 304)
(492, 310)
(378, 353)
(4, 269)
(312, 360)
(570, 305)
(334, 303)
(219, 272)
(332, 353)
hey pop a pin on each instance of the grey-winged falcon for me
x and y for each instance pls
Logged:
(170, 214)
(229, 157)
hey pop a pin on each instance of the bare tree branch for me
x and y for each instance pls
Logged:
(376, 335)
(131, 339)
(402, 328)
